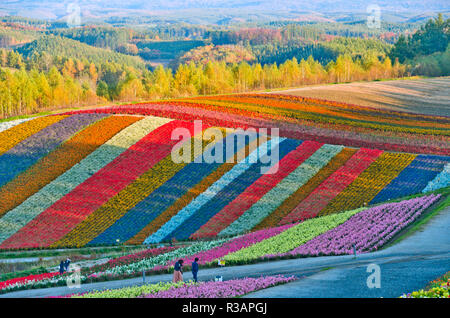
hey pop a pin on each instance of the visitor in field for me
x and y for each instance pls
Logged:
(67, 264)
(177, 271)
(195, 269)
(61, 267)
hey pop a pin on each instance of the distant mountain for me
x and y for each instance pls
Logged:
(56, 9)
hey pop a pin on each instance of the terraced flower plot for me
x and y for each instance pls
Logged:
(97, 176)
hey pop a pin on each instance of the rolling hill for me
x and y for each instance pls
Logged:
(106, 175)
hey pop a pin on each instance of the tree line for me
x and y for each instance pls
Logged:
(28, 85)
(427, 50)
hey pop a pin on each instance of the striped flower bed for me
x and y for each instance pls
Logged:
(256, 191)
(229, 193)
(60, 160)
(166, 230)
(290, 238)
(161, 198)
(368, 230)
(332, 186)
(227, 289)
(29, 151)
(283, 190)
(114, 178)
(442, 180)
(93, 177)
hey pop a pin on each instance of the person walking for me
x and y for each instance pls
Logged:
(178, 271)
(195, 269)
(61, 267)
(67, 264)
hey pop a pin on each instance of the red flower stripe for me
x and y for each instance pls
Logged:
(333, 185)
(26, 279)
(256, 191)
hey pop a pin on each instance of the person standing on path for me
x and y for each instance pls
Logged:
(177, 271)
(67, 264)
(61, 267)
(195, 269)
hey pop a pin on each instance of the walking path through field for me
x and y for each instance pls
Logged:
(406, 266)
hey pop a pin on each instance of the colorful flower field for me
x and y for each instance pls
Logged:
(227, 289)
(438, 288)
(101, 176)
(211, 289)
(366, 231)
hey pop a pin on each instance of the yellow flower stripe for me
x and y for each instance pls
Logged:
(117, 206)
(290, 203)
(371, 181)
(11, 137)
(192, 193)
(60, 160)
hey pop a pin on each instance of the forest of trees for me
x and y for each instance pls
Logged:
(91, 65)
(26, 86)
(427, 50)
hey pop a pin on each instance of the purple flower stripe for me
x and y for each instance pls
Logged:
(226, 289)
(29, 151)
(368, 230)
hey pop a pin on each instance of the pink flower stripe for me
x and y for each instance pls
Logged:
(63, 216)
(256, 191)
(332, 186)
